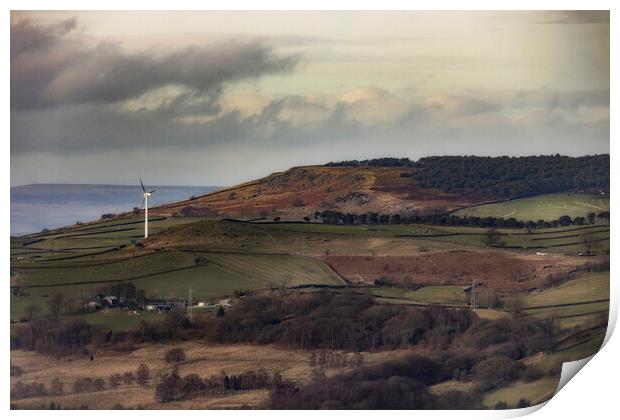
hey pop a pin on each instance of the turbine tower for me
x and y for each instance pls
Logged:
(145, 205)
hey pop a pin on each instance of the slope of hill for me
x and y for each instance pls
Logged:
(301, 191)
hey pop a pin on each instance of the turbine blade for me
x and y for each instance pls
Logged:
(152, 191)
(141, 184)
(142, 203)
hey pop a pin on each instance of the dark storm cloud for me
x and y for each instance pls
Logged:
(48, 68)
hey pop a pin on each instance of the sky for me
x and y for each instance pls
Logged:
(218, 98)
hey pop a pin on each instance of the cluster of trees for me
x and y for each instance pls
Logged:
(82, 385)
(173, 387)
(22, 390)
(127, 292)
(513, 177)
(141, 377)
(51, 336)
(330, 359)
(382, 162)
(28, 390)
(502, 177)
(445, 219)
(332, 321)
(401, 384)
(488, 352)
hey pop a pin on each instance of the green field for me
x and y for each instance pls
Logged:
(217, 258)
(573, 302)
(536, 392)
(546, 207)
(585, 288)
(573, 353)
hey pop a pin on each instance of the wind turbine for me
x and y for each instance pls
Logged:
(145, 205)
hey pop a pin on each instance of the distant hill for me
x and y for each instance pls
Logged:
(398, 185)
(302, 191)
(38, 206)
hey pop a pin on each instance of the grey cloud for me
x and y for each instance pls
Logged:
(203, 153)
(64, 72)
(94, 128)
(561, 99)
(27, 37)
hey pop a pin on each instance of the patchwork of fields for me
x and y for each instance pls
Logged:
(542, 273)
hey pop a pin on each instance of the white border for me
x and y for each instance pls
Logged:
(591, 395)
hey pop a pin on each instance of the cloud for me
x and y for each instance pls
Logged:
(49, 68)
(26, 37)
(361, 118)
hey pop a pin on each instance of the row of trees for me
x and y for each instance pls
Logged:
(86, 384)
(381, 162)
(445, 219)
(173, 387)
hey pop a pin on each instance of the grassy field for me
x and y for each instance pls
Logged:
(588, 287)
(576, 299)
(546, 207)
(171, 274)
(251, 256)
(536, 392)
(202, 359)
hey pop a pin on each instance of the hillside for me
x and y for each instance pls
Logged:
(301, 191)
(399, 186)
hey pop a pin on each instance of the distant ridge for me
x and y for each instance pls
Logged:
(38, 206)
(399, 186)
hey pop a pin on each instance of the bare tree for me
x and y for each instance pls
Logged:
(55, 304)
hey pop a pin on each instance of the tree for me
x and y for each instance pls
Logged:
(128, 378)
(565, 220)
(591, 218)
(492, 237)
(587, 243)
(168, 388)
(57, 387)
(220, 312)
(523, 403)
(55, 304)
(30, 312)
(142, 374)
(115, 380)
(495, 370)
(174, 356)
